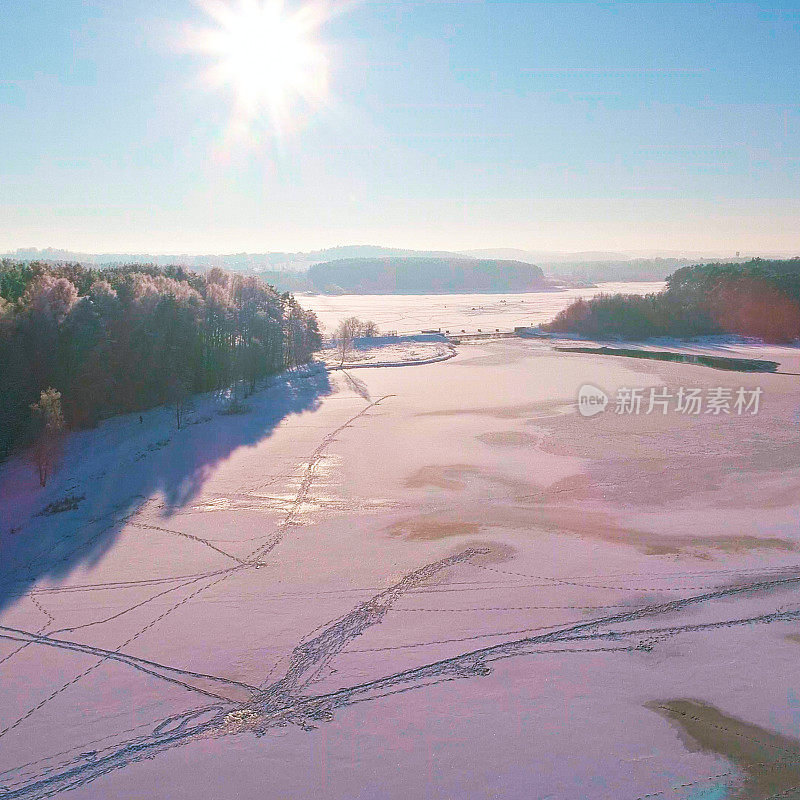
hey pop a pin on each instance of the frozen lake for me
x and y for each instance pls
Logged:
(412, 313)
(431, 581)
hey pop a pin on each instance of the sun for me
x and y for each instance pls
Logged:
(269, 59)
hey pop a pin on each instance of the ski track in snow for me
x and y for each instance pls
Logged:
(283, 702)
(251, 561)
(241, 707)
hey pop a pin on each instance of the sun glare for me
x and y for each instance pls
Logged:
(268, 58)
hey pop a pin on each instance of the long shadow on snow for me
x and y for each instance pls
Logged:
(34, 547)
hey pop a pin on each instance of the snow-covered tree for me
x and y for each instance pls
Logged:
(121, 339)
(50, 420)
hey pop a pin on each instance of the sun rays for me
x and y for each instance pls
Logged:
(268, 59)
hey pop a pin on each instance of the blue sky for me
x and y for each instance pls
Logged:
(461, 124)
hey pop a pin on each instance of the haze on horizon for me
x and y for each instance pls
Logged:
(248, 126)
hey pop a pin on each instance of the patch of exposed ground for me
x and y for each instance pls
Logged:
(519, 411)
(768, 764)
(431, 528)
(475, 518)
(556, 509)
(458, 476)
(508, 439)
(661, 482)
(604, 526)
(488, 552)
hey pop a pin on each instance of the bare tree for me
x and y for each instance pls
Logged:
(369, 328)
(346, 331)
(178, 393)
(47, 447)
(350, 329)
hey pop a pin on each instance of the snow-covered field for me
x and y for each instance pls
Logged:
(456, 312)
(435, 581)
(388, 351)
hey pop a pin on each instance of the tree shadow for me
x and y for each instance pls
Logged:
(108, 473)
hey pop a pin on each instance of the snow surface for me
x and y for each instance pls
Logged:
(455, 313)
(436, 581)
(389, 351)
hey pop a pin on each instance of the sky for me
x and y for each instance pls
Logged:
(431, 124)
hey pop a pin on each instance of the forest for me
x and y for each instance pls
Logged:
(758, 298)
(129, 338)
(398, 275)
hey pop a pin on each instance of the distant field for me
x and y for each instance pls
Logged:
(456, 312)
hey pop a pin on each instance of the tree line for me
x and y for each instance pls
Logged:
(759, 298)
(397, 275)
(129, 338)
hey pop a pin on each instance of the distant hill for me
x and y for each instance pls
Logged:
(395, 275)
(286, 280)
(286, 270)
(373, 251)
(236, 262)
(548, 257)
(544, 256)
(636, 269)
(600, 267)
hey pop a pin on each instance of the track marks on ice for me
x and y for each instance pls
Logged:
(309, 658)
(250, 560)
(283, 703)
